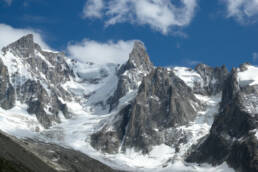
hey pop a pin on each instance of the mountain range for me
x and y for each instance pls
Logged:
(63, 114)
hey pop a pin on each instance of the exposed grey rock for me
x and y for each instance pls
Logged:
(111, 140)
(34, 156)
(244, 155)
(131, 73)
(42, 89)
(7, 96)
(36, 107)
(19, 159)
(138, 58)
(24, 46)
(230, 90)
(213, 78)
(53, 66)
(231, 131)
(66, 159)
(163, 101)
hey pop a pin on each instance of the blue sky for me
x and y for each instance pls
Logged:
(175, 32)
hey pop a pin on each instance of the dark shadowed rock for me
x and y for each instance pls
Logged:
(34, 156)
(53, 65)
(230, 137)
(110, 140)
(163, 101)
(17, 158)
(7, 93)
(23, 47)
(138, 58)
(36, 107)
(41, 87)
(244, 155)
(213, 78)
(131, 73)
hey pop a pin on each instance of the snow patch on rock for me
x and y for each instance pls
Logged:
(249, 76)
(18, 122)
(189, 76)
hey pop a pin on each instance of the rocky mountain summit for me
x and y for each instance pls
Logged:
(162, 102)
(131, 73)
(234, 131)
(34, 76)
(117, 113)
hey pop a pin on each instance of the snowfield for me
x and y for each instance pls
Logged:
(18, 122)
(88, 115)
(249, 76)
(189, 76)
(75, 133)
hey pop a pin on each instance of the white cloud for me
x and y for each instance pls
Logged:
(101, 53)
(244, 11)
(87, 50)
(93, 8)
(190, 62)
(10, 34)
(9, 2)
(255, 57)
(161, 15)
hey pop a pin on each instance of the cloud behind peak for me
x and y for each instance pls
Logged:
(10, 34)
(160, 15)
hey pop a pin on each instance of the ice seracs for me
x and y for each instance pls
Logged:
(90, 84)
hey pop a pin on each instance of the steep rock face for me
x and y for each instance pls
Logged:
(7, 96)
(163, 101)
(244, 155)
(50, 64)
(16, 158)
(131, 73)
(138, 58)
(213, 78)
(156, 101)
(204, 80)
(36, 78)
(232, 137)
